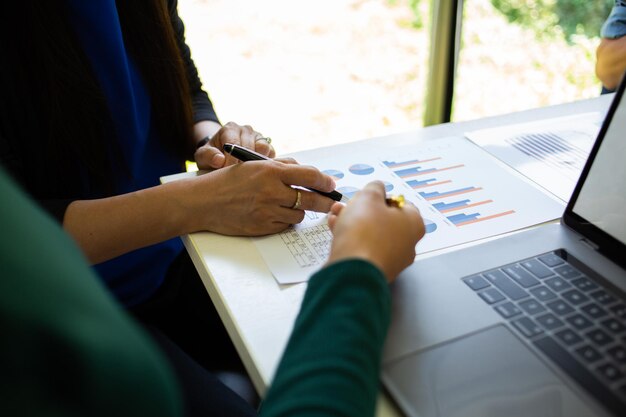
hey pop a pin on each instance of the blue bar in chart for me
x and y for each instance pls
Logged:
(436, 194)
(393, 164)
(462, 218)
(446, 206)
(412, 171)
(416, 183)
(466, 219)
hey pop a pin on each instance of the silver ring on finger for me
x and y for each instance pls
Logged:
(265, 138)
(298, 203)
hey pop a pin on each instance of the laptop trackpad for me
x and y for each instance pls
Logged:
(490, 373)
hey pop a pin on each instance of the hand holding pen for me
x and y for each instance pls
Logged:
(244, 154)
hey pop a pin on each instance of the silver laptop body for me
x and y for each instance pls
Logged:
(532, 324)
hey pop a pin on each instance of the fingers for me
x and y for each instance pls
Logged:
(286, 160)
(307, 200)
(233, 133)
(209, 157)
(289, 216)
(306, 176)
(335, 210)
(374, 191)
(316, 202)
(263, 146)
(244, 136)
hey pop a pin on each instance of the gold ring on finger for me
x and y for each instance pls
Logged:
(298, 203)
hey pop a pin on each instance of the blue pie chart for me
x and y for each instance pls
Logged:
(429, 225)
(334, 173)
(348, 191)
(361, 169)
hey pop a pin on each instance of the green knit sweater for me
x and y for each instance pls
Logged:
(68, 349)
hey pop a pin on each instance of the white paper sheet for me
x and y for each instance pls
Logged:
(463, 194)
(552, 153)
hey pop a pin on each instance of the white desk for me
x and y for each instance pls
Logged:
(257, 312)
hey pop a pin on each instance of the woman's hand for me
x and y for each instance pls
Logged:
(368, 228)
(255, 198)
(211, 155)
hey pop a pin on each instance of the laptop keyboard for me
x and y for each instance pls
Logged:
(568, 315)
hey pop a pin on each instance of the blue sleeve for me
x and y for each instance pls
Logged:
(615, 25)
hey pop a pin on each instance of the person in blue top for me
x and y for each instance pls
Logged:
(99, 100)
(611, 53)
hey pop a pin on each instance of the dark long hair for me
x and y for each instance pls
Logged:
(48, 69)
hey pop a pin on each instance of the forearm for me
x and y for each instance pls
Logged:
(109, 227)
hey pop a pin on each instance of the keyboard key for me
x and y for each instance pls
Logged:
(542, 293)
(579, 322)
(508, 310)
(580, 374)
(551, 259)
(613, 325)
(491, 296)
(549, 321)
(568, 337)
(567, 271)
(603, 297)
(575, 297)
(599, 337)
(589, 354)
(594, 311)
(531, 307)
(584, 284)
(619, 310)
(476, 282)
(520, 275)
(610, 372)
(618, 353)
(505, 284)
(536, 268)
(560, 307)
(527, 327)
(557, 284)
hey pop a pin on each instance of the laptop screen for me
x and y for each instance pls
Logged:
(598, 207)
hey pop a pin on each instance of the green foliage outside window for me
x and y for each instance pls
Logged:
(549, 18)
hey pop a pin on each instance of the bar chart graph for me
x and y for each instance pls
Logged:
(447, 191)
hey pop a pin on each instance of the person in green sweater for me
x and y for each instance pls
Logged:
(69, 349)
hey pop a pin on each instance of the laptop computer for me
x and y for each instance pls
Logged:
(531, 324)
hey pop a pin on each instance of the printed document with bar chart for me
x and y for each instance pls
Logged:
(462, 192)
(551, 152)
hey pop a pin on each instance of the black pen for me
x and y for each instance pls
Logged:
(244, 154)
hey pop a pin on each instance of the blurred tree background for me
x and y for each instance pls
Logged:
(548, 18)
(549, 47)
(551, 18)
